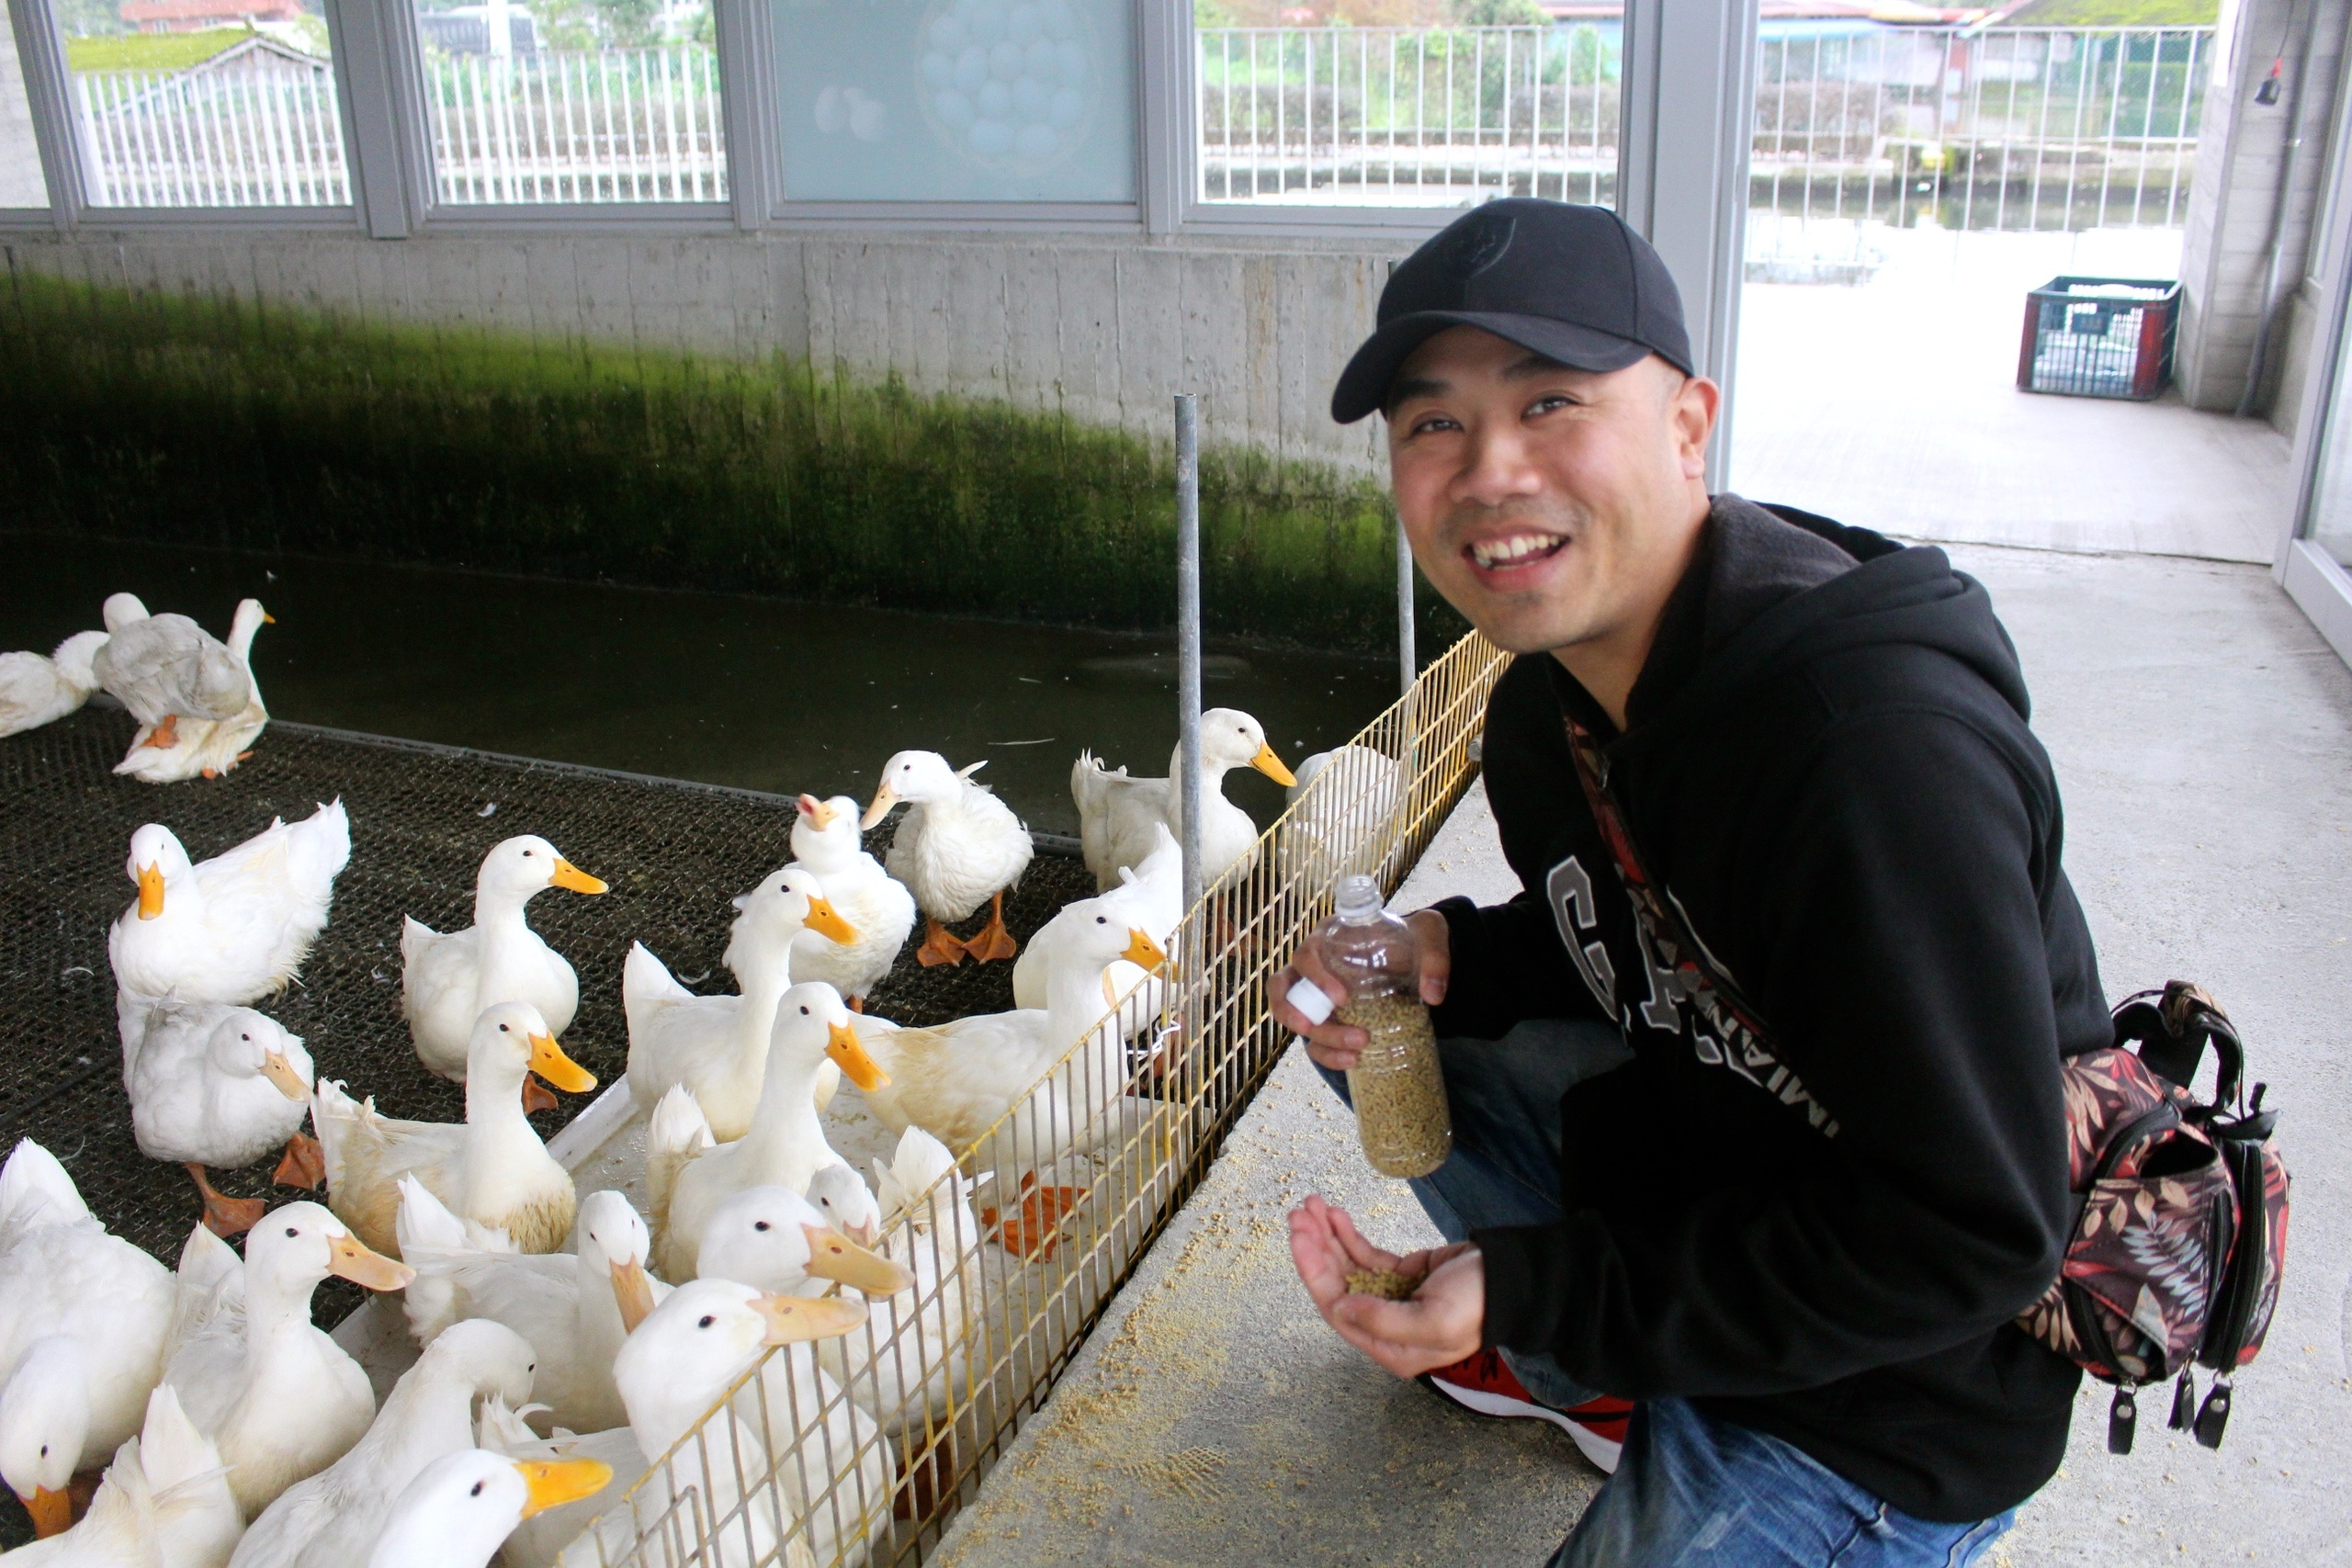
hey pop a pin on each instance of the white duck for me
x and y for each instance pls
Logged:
(848, 1204)
(237, 927)
(773, 1237)
(576, 1309)
(462, 1505)
(957, 1080)
(214, 1085)
(825, 842)
(1116, 814)
(717, 1046)
(683, 1358)
(491, 1168)
(84, 1318)
(448, 977)
(332, 1518)
(903, 1366)
(35, 691)
(686, 1179)
(165, 1503)
(279, 1398)
(167, 669)
(1344, 814)
(540, 1540)
(206, 748)
(959, 845)
(1152, 898)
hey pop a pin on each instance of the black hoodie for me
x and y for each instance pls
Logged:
(1826, 763)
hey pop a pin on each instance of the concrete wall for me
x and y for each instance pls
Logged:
(1104, 327)
(21, 178)
(2225, 253)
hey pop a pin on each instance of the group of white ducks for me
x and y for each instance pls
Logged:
(569, 1344)
(199, 708)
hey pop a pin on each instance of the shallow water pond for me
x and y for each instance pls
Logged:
(761, 694)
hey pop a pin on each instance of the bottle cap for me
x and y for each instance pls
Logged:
(1311, 1001)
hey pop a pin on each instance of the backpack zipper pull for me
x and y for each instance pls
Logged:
(2123, 1420)
(2215, 1416)
(2184, 1401)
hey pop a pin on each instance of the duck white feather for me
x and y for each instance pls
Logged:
(167, 667)
(83, 1320)
(1152, 895)
(459, 1507)
(491, 1168)
(1117, 816)
(237, 927)
(958, 847)
(332, 1519)
(202, 745)
(717, 1046)
(825, 845)
(164, 1503)
(37, 690)
(279, 1398)
(211, 1084)
(448, 977)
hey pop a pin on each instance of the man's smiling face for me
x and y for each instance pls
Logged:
(1552, 507)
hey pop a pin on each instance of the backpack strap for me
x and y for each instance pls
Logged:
(2171, 1032)
(1718, 999)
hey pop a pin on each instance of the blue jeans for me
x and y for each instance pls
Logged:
(1689, 1488)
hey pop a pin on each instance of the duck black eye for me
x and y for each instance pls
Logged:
(1101, 920)
(292, 1231)
(247, 1038)
(44, 1450)
(707, 1322)
(759, 1225)
(527, 854)
(475, 1490)
(804, 1012)
(503, 1030)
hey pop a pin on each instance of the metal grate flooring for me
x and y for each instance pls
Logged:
(672, 852)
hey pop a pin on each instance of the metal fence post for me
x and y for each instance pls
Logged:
(1408, 659)
(1188, 635)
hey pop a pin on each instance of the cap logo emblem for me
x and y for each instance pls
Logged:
(1478, 244)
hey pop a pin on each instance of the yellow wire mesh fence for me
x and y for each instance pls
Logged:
(859, 1448)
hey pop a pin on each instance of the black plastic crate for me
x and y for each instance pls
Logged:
(2099, 337)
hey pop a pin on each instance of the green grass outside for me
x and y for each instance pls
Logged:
(216, 421)
(2116, 14)
(151, 51)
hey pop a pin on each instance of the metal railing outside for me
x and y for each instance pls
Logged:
(615, 125)
(862, 1450)
(1406, 116)
(1970, 127)
(577, 126)
(230, 136)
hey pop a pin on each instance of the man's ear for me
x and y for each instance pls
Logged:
(1696, 405)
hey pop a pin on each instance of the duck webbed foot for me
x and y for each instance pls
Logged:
(225, 1216)
(537, 1096)
(305, 1165)
(166, 735)
(939, 947)
(993, 941)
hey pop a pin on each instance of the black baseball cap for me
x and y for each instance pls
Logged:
(1572, 283)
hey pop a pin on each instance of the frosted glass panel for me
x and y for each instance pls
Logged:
(956, 100)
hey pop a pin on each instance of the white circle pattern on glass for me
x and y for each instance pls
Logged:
(1009, 83)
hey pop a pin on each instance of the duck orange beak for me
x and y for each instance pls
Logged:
(567, 875)
(1266, 762)
(883, 800)
(53, 1512)
(833, 1256)
(552, 1482)
(820, 815)
(796, 1320)
(151, 891)
(1142, 951)
(826, 920)
(849, 1054)
(267, 619)
(350, 1258)
(548, 1061)
(634, 1292)
(279, 1071)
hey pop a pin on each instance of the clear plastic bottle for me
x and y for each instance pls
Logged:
(1396, 1086)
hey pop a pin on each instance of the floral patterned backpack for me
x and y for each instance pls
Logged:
(2180, 1206)
(2180, 1229)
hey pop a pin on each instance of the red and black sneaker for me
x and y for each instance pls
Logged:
(1484, 1383)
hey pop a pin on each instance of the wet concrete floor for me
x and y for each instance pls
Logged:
(760, 694)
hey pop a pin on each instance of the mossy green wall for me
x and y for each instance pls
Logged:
(218, 421)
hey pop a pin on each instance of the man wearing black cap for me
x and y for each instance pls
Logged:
(1754, 1088)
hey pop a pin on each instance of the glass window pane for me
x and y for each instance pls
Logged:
(958, 100)
(1295, 110)
(573, 101)
(205, 103)
(21, 178)
(2329, 523)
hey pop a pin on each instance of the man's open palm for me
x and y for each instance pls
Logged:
(1438, 1328)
